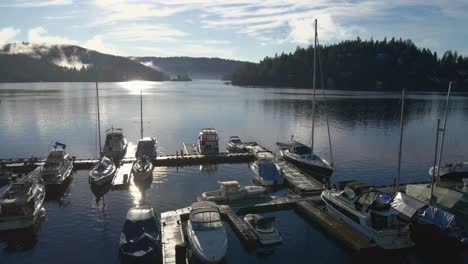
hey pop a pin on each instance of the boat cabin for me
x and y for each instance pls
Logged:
(55, 158)
(205, 216)
(146, 147)
(115, 140)
(18, 200)
(208, 142)
(228, 187)
(235, 140)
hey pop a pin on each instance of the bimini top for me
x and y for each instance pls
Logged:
(114, 131)
(140, 213)
(264, 155)
(204, 206)
(354, 188)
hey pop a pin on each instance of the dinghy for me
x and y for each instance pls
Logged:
(264, 229)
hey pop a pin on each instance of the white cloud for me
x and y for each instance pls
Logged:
(39, 35)
(39, 3)
(8, 34)
(97, 43)
(145, 32)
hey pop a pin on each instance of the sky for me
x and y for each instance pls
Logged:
(233, 29)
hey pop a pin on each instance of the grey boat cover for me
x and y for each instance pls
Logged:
(439, 217)
(406, 204)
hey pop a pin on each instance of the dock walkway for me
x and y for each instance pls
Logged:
(298, 181)
(122, 177)
(172, 236)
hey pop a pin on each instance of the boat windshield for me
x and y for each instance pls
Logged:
(206, 221)
(268, 170)
(302, 150)
(236, 141)
(135, 229)
(54, 159)
(145, 148)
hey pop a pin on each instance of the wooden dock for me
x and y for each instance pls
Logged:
(243, 231)
(298, 181)
(278, 203)
(172, 236)
(122, 177)
(338, 229)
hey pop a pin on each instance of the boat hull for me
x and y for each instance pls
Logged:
(311, 169)
(54, 180)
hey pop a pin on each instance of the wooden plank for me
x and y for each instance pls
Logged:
(247, 236)
(277, 203)
(298, 181)
(172, 235)
(340, 230)
(122, 177)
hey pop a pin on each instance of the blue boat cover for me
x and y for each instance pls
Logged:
(439, 217)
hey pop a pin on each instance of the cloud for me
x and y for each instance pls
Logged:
(39, 3)
(145, 32)
(97, 43)
(8, 34)
(39, 35)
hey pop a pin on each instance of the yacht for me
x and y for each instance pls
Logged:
(140, 235)
(208, 142)
(142, 169)
(368, 212)
(264, 229)
(115, 145)
(451, 171)
(206, 234)
(146, 147)
(21, 202)
(103, 172)
(57, 167)
(232, 190)
(235, 145)
(302, 157)
(265, 169)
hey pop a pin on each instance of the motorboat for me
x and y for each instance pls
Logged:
(451, 171)
(264, 228)
(206, 234)
(208, 142)
(116, 144)
(302, 157)
(5, 175)
(235, 145)
(103, 172)
(57, 167)
(142, 169)
(147, 146)
(231, 191)
(368, 212)
(266, 171)
(21, 202)
(140, 235)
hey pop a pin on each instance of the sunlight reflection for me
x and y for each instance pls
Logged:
(136, 193)
(133, 87)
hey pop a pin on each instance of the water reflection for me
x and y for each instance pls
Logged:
(209, 167)
(99, 192)
(60, 194)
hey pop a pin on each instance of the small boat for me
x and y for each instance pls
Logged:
(140, 235)
(451, 171)
(206, 234)
(368, 211)
(208, 142)
(21, 202)
(265, 169)
(264, 229)
(232, 190)
(115, 146)
(142, 169)
(147, 147)
(302, 157)
(235, 145)
(58, 166)
(103, 172)
(5, 175)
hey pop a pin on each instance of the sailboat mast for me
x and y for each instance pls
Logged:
(141, 112)
(397, 183)
(98, 118)
(433, 180)
(313, 96)
(443, 131)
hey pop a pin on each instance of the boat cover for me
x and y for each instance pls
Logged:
(439, 217)
(406, 204)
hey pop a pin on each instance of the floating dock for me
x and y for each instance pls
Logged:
(298, 181)
(122, 177)
(172, 236)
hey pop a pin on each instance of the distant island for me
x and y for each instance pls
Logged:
(182, 78)
(360, 65)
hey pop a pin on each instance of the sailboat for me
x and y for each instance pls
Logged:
(301, 155)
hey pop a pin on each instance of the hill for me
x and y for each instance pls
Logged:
(196, 68)
(24, 62)
(360, 65)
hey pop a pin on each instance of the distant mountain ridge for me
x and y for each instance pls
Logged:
(24, 62)
(196, 68)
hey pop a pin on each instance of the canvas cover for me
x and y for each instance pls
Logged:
(406, 204)
(439, 217)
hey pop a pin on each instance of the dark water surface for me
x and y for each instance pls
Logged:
(80, 229)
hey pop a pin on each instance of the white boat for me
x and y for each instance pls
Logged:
(451, 171)
(206, 234)
(265, 169)
(140, 235)
(142, 169)
(115, 146)
(21, 202)
(208, 142)
(235, 145)
(58, 166)
(368, 212)
(147, 147)
(103, 172)
(264, 228)
(231, 191)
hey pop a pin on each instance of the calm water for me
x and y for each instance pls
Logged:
(81, 229)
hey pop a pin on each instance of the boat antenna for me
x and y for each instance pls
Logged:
(402, 113)
(435, 162)
(141, 111)
(442, 131)
(313, 96)
(99, 118)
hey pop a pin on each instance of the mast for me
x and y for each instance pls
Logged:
(141, 111)
(313, 97)
(433, 181)
(98, 118)
(397, 183)
(442, 131)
